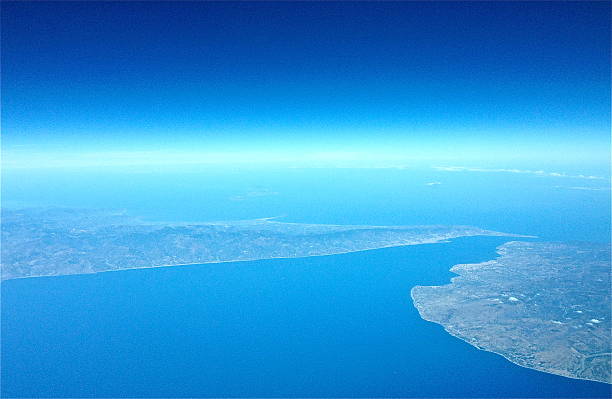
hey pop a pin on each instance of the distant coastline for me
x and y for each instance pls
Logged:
(395, 236)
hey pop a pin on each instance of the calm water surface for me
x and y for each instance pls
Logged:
(340, 326)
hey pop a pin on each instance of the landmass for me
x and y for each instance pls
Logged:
(544, 306)
(58, 241)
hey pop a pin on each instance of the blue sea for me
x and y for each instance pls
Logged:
(330, 326)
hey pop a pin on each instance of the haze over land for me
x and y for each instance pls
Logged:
(56, 241)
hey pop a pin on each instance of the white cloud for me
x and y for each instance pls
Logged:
(585, 188)
(521, 171)
(433, 183)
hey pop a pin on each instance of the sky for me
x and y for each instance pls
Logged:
(478, 83)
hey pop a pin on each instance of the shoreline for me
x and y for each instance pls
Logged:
(457, 270)
(440, 241)
(456, 335)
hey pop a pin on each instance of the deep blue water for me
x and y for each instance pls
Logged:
(341, 326)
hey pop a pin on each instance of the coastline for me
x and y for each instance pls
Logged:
(441, 241)
(458, 268)
(458, 336)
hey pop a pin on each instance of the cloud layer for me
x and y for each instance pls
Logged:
(521, 171)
